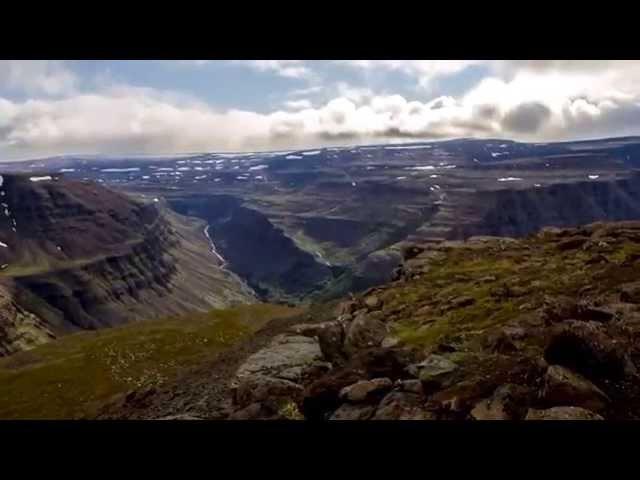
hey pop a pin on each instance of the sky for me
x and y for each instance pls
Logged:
(53, 107)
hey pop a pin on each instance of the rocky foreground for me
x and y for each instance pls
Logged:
(488, 329)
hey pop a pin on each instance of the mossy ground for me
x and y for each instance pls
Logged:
(73, 376)
(506, 282)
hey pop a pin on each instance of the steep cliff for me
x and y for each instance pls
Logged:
(80, 256)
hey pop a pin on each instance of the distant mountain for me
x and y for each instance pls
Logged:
(313, 224)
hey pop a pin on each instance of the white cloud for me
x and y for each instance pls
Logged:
(539, 103)
(424, 70)
(301, 104)
(284, 68)
(49, 77)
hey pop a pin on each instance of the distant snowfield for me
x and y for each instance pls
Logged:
(120, 170)
(593, 177)
(312, 152)
(67, 170)
(259, 167)
(408, 147)
(293, 157)
(509, 179)
(425, 167)
(40, 179)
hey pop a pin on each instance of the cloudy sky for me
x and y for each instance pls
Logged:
(65, 107)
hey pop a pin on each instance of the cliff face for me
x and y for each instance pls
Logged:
(517, 213)
(80, 256)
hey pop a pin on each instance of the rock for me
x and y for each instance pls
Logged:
(268, 391)
(254, 411)
(373, 302)
(353, 412)
(347, 307)
(365, 390)
(331, 341)
(322, 396)
(402, 406)
(501, 342)
(364, 332)
(487, 279)
(562, 413)
(571, 243)
(390, 342)
(461, 302)
(181, 417)
(563, 308)
(630, 292)
(411, 386)
(385, 362)
(564, 387)
(287, 357)
(586, 348)
(508, 402)
(310, 329)
(434, 372)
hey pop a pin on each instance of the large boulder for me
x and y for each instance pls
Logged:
(562, 413)
(322, 396)
(564, 387)
(586, 348)
(364, 332)
(331, 341)
(434, 372)
(266, 391)
(287, 357)
(365, 390)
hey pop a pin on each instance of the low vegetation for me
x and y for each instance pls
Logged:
(73, 376)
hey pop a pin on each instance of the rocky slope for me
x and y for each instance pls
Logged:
(76, 255)
(544, 327)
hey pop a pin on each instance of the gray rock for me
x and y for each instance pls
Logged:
(364, 332)
(433, 367)
(587, 348)
(353, 412)
(562, 413)
(564, 387)
(331, 341)
(390, 342)
(267, 391)
(411, 386)
(365, 389)
(373, 302)
(287, 357)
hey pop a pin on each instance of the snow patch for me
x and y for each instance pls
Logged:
(40, 179)
(509, 179)
(259, 167)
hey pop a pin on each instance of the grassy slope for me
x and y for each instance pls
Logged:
(74, 376)
(529, 270)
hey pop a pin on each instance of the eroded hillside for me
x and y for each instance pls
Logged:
(76, 256)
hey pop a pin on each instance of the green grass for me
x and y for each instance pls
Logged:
(73, 376)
